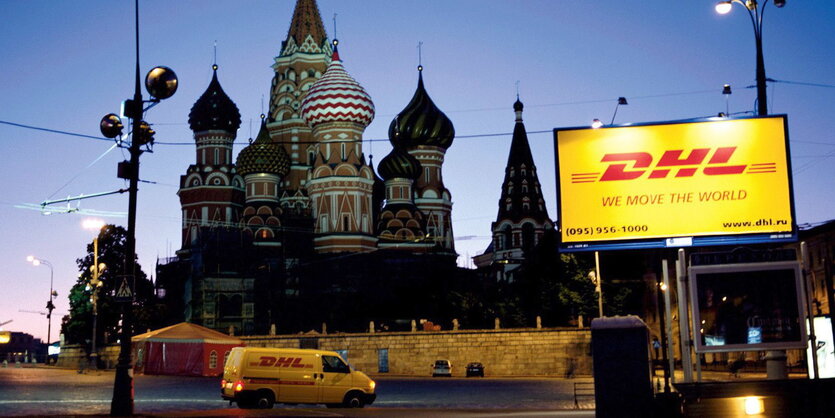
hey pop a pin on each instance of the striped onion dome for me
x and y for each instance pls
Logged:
(399, 163)
(337, 97)
(263, 156)
(421, 122)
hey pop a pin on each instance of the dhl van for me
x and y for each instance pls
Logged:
(256, 377)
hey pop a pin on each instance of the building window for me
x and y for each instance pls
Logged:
(346, 222)
(323, 223)
(383, 360)
(213, 359)
(528, 237)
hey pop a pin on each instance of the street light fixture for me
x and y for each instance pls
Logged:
(52, 294)
(161, 83)
(755, 12)
(95, 284)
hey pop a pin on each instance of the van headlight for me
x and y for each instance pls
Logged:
(372, 384)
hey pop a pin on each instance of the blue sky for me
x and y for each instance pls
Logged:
(63, 65)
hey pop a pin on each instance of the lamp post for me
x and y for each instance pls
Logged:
(52, 294)
(161, 83)
(95, 284)
(596, 280)
(755, 12)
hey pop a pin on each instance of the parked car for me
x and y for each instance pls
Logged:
(442, 368)
(475, 369)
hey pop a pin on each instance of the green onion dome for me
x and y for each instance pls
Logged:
(399, 164)
(421, 122)
(263, 156)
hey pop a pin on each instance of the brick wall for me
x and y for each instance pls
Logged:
(556, 352)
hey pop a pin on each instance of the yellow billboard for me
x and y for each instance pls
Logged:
(690, 179)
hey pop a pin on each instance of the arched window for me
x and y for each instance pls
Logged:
(528, 237)
(508, 238)
(213, 359)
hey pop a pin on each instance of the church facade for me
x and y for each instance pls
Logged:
(299, 230)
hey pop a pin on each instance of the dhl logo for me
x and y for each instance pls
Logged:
(632, 165)
(270, 361)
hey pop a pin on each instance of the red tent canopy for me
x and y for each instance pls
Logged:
(183, 350)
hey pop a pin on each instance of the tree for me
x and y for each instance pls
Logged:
(148, 312)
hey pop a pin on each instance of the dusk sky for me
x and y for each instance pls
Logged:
(63, 65)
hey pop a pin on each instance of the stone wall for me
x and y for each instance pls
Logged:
(72, 355)
(555, 352)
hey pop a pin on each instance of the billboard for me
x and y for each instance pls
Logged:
(747, 307)
(700, 182)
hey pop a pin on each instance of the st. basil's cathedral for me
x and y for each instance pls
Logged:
(300, 232)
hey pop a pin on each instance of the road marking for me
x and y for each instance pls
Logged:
(59, 401)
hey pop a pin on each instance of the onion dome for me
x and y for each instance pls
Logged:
(263, 156)
(421, 122)
(399, 164)
(518, 106)
(337, 97)
(214, 110)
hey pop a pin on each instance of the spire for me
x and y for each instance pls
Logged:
(521, 193)
(307, 21)
(520, 149)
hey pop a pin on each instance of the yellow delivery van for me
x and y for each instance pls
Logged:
(256, 377)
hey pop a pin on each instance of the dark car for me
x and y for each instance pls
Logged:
(475, 369)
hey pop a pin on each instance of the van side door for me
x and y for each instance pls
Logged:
(296, 378)
(335, 380)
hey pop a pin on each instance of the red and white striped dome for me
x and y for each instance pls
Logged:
(337, 97)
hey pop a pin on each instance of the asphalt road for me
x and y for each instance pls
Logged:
(51, 391)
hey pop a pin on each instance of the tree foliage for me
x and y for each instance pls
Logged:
(77, 327)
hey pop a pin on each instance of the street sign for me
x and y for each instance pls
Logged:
(124, 293)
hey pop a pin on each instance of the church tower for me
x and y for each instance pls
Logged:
(522, 219)
(426, 133)
(211, 192)
(338, 110)
(262, 164)
(401, 225)
(304, 57)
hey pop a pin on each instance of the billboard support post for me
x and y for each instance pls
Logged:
(683, 321)
(668, 320)
(807, 297)
(664, 337)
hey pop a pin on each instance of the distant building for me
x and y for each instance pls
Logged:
(522, 219)
(22, 347)
(298, 230)
(820, 245)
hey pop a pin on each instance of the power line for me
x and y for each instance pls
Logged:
(55, 131)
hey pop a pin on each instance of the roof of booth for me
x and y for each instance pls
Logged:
(186, 332)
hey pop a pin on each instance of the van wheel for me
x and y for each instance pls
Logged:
(264, 399)
(353, 399)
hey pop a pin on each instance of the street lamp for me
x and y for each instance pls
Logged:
(161, 83)
(756, 14)
(95, 284)
(52, 294)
